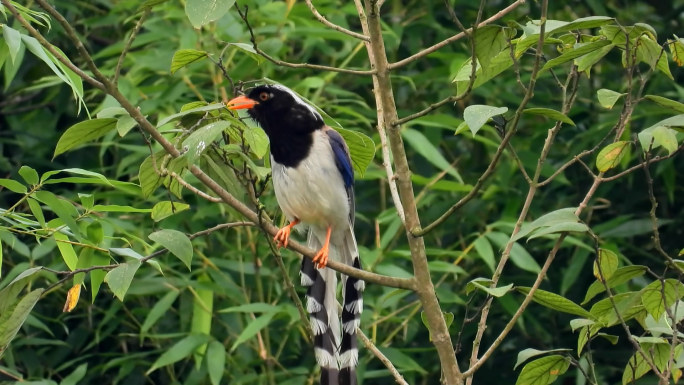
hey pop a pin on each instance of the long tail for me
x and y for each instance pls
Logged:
(322, 308)
(351, 311)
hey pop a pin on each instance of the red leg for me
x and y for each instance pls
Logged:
(282, 237)
(321, 258)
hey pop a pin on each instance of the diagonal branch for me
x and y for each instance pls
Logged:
(454, 38)
(336, 27)
(129, 43)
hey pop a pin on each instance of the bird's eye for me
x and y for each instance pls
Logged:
(264, 96)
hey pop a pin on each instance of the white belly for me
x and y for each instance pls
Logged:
(313, 191)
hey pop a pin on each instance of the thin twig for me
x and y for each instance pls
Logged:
(129, 43)
(192, 188)
(288, 64)
(377, 353)
(336, 27)
(454, 38)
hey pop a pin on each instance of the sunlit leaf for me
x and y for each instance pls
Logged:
(611, 155)
(176, 242)
(477, 115)
(184, 57)
(543, 371)
(607, 98)
(83, 132)
(119, 279)
(555, 302)
(202, 12)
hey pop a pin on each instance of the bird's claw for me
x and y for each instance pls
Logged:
(320, 260)
(282, 237)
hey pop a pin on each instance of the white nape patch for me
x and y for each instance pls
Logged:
(349, 359)
(299, 100)
(324, 358)
(317, 326)
(306, 280)
(312, 306)
(360, 285)
(351, 326)
(355, 307)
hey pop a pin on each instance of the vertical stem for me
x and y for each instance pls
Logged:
(387, 113)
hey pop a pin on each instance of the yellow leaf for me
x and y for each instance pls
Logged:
(72, 298)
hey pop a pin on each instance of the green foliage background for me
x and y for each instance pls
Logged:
(171, 316)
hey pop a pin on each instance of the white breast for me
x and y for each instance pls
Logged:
(313, 191)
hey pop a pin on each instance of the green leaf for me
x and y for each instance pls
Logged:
(216, 361)
(578, 50)
(543, 371)
(13, 185)
(549, 113)
(626, 304)
(555, 302)
(66, 249)
(119, 279)
(649, 51)
(526, 354)
(11, 320)
(180, 350)
(13, 40)
(253, 327)
(30, 175)
(10, 293)
(402, 361)
(490, 40)
(77, 375)
(195, 144)
(148, 175)
(677, 50)
(667, 103)
(176, 242)
(560, 216)
(159, 310)
(477, 115)
(607, 98)
(637, 367)
(497, 65)
(202, 12)
(63, 208)
(124, 124)
(658, 136)
(611, 155)
(202, 311)
(361, 149)
(83, 132)
(184, 57)
(619, 277)
(608, 262)
(206, 108)
(483, 284)
(256, 307)
(119, 209)
(249, 50)
(485, 251)
(658, 296)
(165, 209)
(424, 147)
(585, 62)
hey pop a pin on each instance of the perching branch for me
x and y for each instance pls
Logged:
(275, 61)
(331, 25)
(377, 353)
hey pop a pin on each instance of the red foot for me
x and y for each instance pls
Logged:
(321, 258)
(282, 237)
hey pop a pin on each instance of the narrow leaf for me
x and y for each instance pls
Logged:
(180, 350)
(30, 175)
(549, 113)
(555, 302)
(184, 57)
(667, 103)
(543, 371)
(253, 328)
(83, 132)
(216, 361)
(159, 309)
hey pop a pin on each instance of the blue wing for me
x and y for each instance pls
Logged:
(344, 165)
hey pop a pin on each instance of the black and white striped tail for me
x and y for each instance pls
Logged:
(335, 347)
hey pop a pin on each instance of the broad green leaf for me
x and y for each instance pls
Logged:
(30, 175)
(159, 310)
(677, 50)
(637, 367)
(66, 249)
(77, 375)
(608, 262)
(483, 284)
(626, 304)
(667, 103)
(184, 57)
(13, 40)
(249, 50)
(83, 132)
(549, 113)
(11, 320)
(490, 40)
(582, 23)
(202, 312)
(402, 361)
(649, 51)
(658, 136)
(63, 208)
(119, 209)
(497, 65)
(180, 350)
(361, 149)
(620, 276)
(119, 279)
(607, 98)
(176, 242)
(253, 327)
(477, 115)
(13, 185)
(585, 62)
(556, 217)
(580, 322)
(195, 144)
(429, 151)
(97, 276)
(165, 209)
(658, 296)
(124, 124)
(257, 140)
(148, 175)
(203, 108)
(202, 12)
(559, 228)
(216, 361)
(543, 371)
(10, 293)
(611, 155)
(578, 50)
(555, 302)
(526, 354)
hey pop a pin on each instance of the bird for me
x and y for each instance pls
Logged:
(313, 180)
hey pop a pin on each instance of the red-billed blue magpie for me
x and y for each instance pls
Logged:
(313, 181)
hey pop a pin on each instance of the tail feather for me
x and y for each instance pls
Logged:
(351, 312)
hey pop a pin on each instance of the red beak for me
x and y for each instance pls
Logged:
(241, 103)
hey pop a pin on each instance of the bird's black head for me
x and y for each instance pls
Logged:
(278, 110)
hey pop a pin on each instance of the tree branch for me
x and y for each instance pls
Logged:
(331, 25)
(129, 43)
(377, 353)
(454, 38)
